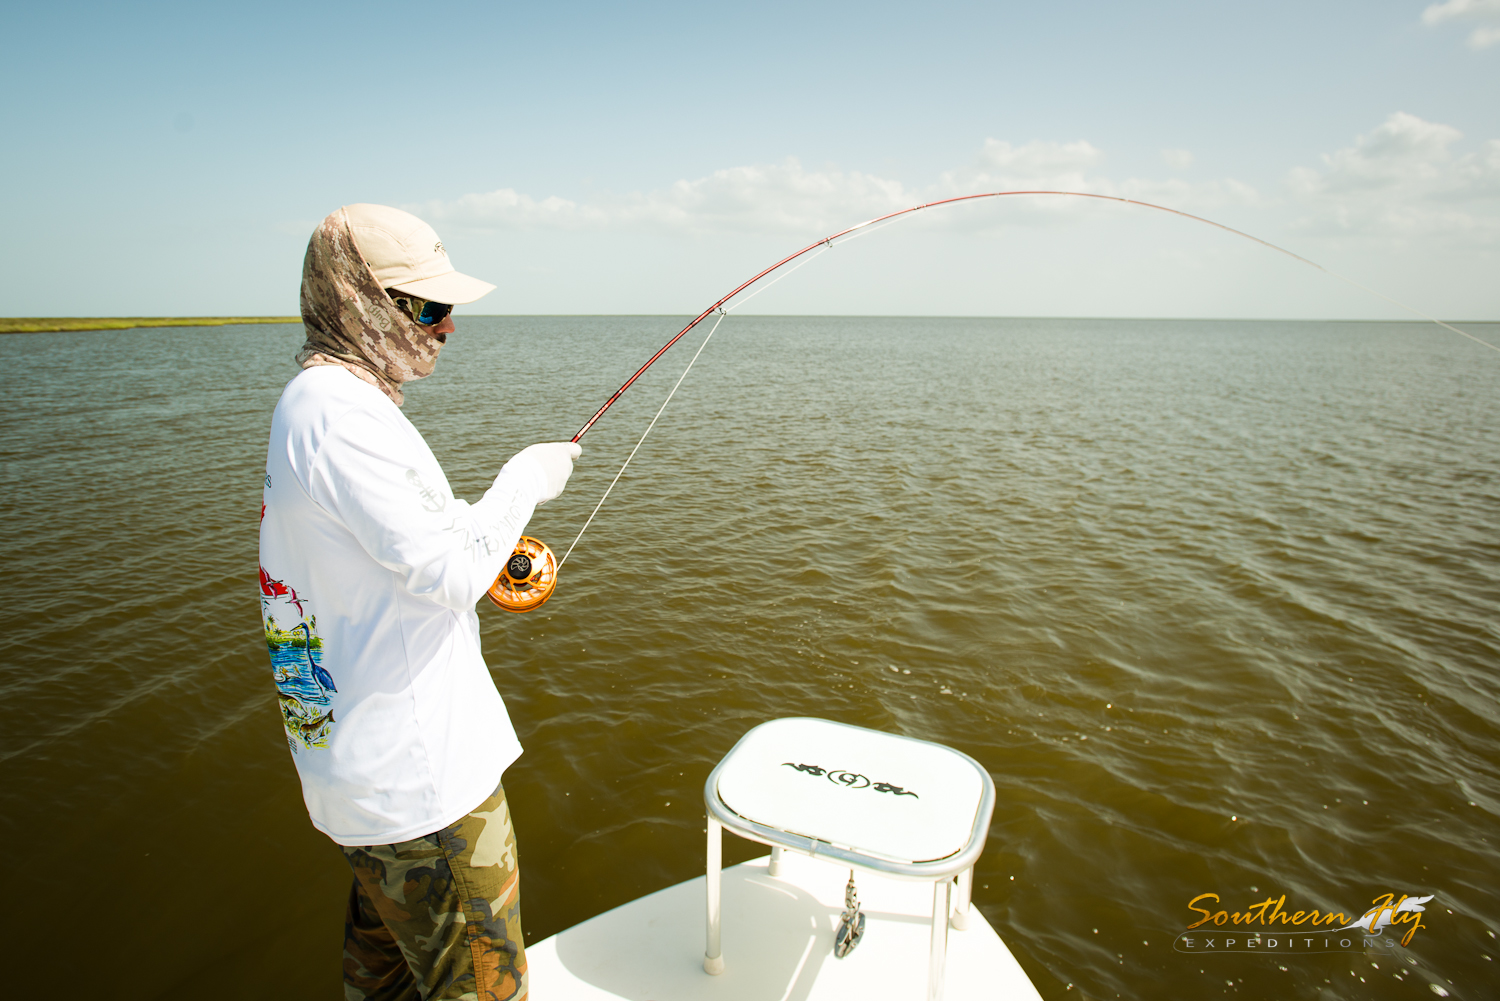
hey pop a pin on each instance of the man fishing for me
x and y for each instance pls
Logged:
(397, 731)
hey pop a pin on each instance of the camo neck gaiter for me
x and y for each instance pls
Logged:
(350, 320)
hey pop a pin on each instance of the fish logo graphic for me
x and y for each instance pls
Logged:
(312, 729)
(432, 500)
(303, 727)
(1382, 916)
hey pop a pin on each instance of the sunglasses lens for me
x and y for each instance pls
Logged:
(433, 312)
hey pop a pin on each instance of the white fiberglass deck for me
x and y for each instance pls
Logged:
(778, 945)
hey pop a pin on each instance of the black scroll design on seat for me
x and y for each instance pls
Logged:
(887, 787)
(809, 769)
(848, 779)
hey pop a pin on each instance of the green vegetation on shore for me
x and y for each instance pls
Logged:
(276, 637)
(41, 324)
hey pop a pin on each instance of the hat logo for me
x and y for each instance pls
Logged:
(437, 248)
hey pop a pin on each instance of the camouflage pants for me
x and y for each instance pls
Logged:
(438, 917)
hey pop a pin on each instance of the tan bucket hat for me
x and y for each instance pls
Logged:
(405, 253)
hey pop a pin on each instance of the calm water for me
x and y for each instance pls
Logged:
(1217, 604)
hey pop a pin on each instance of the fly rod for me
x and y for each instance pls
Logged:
(530, 575)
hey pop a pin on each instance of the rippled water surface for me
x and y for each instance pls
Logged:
(1217, 604)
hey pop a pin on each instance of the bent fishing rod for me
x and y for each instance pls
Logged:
(530, 575)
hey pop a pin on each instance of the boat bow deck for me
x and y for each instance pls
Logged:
(778, 944)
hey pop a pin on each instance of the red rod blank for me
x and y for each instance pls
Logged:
(828, 240)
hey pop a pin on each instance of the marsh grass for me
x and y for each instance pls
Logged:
(42, 324)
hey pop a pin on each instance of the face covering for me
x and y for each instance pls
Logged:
(350, 320)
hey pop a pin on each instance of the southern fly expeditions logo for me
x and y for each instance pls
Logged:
(1269, 926)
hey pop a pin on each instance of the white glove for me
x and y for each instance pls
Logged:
(551, 462)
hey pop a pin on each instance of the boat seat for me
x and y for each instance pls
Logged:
(864, 799)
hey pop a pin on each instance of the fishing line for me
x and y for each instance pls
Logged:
(638, 444)
(530, 575)
(862, 233)
(778, 278)
(722, 313)
(1414, 312)
(828, 245)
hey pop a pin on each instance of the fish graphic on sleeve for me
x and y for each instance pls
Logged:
(310, 730)
(432, 500)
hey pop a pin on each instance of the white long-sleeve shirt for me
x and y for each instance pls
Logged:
(370, 569)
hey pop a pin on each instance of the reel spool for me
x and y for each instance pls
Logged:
(528, 578)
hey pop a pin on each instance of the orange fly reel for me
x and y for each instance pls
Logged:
(528, 579)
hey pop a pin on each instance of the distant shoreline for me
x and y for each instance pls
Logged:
(46, 324)
(49, 324)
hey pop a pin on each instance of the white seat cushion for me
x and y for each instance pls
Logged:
(878, 794)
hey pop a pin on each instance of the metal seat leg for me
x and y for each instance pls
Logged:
(965, 894)
(937, 962)
(713, 960)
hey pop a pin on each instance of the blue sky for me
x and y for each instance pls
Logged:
(612, 158)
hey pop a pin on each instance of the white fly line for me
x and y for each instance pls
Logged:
(638, 444)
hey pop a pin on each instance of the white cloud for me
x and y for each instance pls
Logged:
(788, 198)
(1037, 166)
(1073, 166)
(782, 197)
(1402, 178)
(1402, 150)
(1038, 162)
(1177, 159)
(506, 208)
(1483, 36)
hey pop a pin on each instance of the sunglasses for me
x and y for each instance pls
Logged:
(424, 311)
